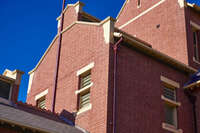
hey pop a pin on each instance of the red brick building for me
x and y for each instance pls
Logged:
(124, 75)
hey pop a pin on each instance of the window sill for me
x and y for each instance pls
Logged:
(84, 89)
(196, 61)
(171, 128)
(84, 109)
(173, 103)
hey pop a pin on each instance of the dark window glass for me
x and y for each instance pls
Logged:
(170, 93)
(4, 89)
(170, 115)
(195, 43)
(139, 2)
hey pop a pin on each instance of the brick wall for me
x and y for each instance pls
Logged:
(81, 45)
(139, 88)
(163, 27)
(84, 44)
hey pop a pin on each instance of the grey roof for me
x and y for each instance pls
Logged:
(13, 115)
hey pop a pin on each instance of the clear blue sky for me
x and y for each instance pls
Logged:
(28, 26)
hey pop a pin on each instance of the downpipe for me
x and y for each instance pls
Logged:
(115, 48)
(58, 59)
(192, 100)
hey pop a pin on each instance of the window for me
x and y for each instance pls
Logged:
(195, 44)
(170, 109)
(169, 88)
(170, 114)
(84, 99)
(195, 28)
(5, 90)
(138, 3)
(41, 102)
(84, 91)
(169, 93)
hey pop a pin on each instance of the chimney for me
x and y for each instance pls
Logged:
(9, 85)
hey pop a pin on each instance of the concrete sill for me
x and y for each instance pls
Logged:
(173, 103)
(171, 128)
(196, 61)
(84, 89)
(84, 109)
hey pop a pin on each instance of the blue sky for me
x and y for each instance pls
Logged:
(28, 26)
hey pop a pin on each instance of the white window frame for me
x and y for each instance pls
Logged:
(172, 85)
(79, 91)
(40, 95)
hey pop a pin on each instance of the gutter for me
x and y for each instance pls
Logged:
(115, 47)
(58, 59)
(147, 49)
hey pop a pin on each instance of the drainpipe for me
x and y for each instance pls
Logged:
(192, 99)
(58, 59)
(115, 47)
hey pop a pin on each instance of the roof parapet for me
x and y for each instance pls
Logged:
(78, 7)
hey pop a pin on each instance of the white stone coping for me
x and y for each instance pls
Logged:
(171, 128)
(170, 82)
(84, 89)
(84, 109)
(85, 69)
(171, 102)
(41, 94)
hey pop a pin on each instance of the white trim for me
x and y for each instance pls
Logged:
(85, 69)
(30, 82)
(171, 128)
(84, 89)
(66, 29)
(84, 109)
(196, 61)
(142, 14)
(195, 25)
(170, 82)
(173, 103)
(127, 1)
(41, 94)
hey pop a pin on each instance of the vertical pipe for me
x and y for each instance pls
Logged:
(195, 116)
(114, 83)
(58, 59)
(192, 99)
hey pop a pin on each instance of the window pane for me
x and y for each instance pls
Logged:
(195, 45)
(85, 80)
(4, 89)
(170, 114)
(84, 99)
(41, 103)
(169, 93)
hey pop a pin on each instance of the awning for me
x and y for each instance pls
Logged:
(194, 81)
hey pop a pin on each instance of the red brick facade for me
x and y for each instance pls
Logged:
(162, 24)
(139, 87)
